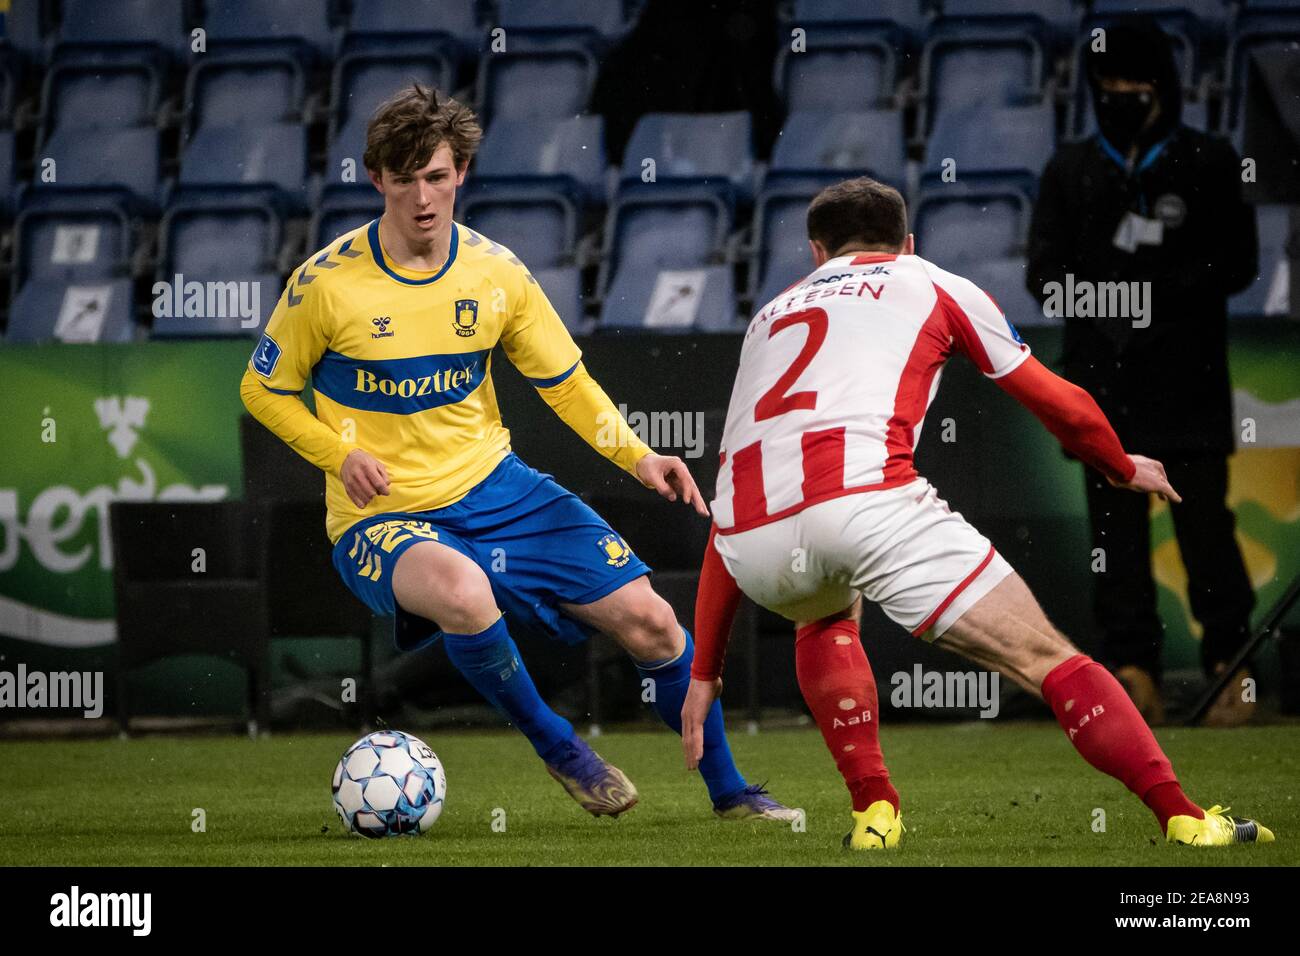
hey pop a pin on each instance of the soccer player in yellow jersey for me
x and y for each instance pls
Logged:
(434, 520)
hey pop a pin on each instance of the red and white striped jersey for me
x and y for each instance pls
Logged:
(835, 378)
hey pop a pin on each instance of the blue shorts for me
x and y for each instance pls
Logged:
(539, 545)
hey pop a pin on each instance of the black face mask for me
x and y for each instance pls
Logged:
(1121, 116)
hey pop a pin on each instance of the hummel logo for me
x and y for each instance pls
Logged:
(381, 323)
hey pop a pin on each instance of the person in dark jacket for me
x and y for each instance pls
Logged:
(1139, 234)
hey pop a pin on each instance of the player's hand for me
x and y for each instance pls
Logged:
(669, 476)
(364, 476)
(695, 709)
(1150, 476)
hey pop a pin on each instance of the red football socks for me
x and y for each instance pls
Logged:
(839, 688)
(1107, 730)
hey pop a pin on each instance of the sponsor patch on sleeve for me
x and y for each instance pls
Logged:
(266, 356)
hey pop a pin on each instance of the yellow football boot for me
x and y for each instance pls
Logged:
(1216, 829)
(876, 828)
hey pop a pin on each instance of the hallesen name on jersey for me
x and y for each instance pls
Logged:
(823, 287)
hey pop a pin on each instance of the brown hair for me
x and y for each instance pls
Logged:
(859, 212)
(411, 124)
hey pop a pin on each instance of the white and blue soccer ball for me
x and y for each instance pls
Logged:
(389, 783)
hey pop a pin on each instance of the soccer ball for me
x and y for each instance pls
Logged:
(389, 783)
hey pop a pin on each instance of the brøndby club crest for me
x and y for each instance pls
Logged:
(465, 321)
(617, 553)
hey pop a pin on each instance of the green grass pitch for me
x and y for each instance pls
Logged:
(977, 794)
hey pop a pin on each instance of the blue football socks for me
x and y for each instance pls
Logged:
(490, 661)
(671, 679)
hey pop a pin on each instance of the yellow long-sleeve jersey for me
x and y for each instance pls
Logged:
(400, 363)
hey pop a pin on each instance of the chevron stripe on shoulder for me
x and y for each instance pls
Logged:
(494, 248)
(328, 258)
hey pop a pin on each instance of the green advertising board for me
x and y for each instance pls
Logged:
(87, 425)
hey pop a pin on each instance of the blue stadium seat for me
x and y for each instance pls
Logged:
(56, 310)
(707, 149)
(122, 162)
(955, 230)
(780, 246)
(1257, 28)
(820, 148)
(596, 23)
(220, 244)
(1009, 145)
(212, 239)
(239, 91)
(837, 74)
(224, 302)
(342, 213)
(649, 231)
(700, 299)
(1004, 280)
(1061, 16)
(298, 27)
(361, 82)
(394, 25)
(1266, 296)
(84, 244)
(70, 276)
(125, 26)
(899, 22)
(540, 84)
(271, 158)
(969, 76)
(364, 80)
(568, 154)
(563, 287)
(1195, 18)
(539, 229)
(85, 96)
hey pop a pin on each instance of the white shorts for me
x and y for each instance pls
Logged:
(901, 548)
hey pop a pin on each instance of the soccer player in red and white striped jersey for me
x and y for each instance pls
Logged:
(819, 504)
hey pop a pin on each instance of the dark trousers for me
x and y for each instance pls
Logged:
(1124, 595)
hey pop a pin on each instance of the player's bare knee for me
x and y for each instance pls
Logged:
(466, 605)
(652, 632)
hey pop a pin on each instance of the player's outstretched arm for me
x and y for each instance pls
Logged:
(1073, 416)
(716, 602)
(1149, 475)
(583, 406)
(669, 476)
(293, 423)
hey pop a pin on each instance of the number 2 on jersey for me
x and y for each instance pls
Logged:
(776, 401)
